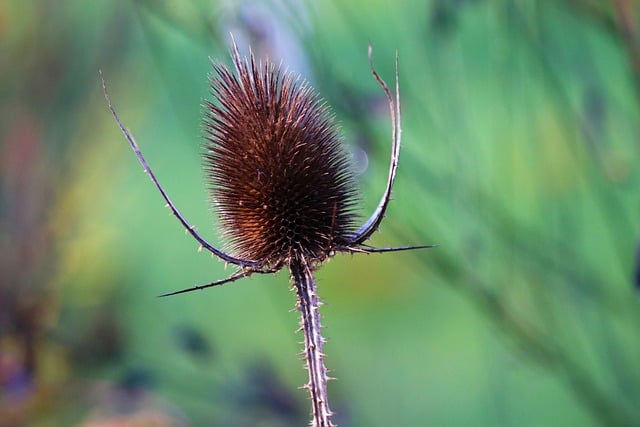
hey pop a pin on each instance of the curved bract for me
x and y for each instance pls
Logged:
(191, 229)
(372, 224)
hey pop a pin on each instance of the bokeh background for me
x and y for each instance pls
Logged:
(520, 159)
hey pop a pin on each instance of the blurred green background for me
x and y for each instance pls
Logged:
(521, 133)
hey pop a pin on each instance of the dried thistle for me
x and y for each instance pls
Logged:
(283, 187)
(278, 173)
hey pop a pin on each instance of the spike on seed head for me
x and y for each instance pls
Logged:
(278, 174)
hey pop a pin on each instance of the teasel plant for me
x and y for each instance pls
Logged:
(282, 184)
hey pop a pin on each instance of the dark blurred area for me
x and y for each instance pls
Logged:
(520, 136)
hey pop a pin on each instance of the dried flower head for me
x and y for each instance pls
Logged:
(283, 187)
(279, 175)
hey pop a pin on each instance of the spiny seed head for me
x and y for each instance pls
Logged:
(278, 174)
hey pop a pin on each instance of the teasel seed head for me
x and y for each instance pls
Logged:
(279, 176)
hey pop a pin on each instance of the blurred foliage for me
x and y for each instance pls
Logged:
(520, 138)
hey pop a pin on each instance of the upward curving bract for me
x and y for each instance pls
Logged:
(278, 174)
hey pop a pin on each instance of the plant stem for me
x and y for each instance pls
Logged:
(308, 304)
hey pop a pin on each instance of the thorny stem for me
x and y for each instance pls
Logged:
(308, 304)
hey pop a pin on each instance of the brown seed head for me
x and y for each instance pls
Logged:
(278, 173)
